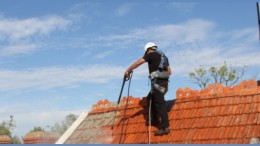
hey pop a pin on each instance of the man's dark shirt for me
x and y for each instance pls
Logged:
(154, 59)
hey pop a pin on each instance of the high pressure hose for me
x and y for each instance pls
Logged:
(150, 123)
(125, 78)
(128, 91)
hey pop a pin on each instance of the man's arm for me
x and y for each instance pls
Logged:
(169, 70)
(134, 65)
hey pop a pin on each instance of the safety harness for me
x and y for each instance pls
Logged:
(160, 74)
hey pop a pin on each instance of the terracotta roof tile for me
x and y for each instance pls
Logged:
(237, 120)
(217, 114)
(226, 121)
(252, 131)
(212, 121)
(230, 135)
(258, 118)
(235, 109)
(256, 131)
(137, 138)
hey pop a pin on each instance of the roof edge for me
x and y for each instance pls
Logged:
(72, 128)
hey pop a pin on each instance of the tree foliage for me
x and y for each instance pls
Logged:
(37, 128)
(7, 127)
(225, 75)
(16, 140)
(60, 128)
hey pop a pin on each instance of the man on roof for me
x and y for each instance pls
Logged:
(159, 70)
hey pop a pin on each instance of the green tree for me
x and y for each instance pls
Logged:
(60, 128)
(225, 75)
(7, 127)
(200, 77)
(16, 140)
(37, 128)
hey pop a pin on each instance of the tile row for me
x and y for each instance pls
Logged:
(195, 136)
(215, 111)
(220, 101)
(220, 121)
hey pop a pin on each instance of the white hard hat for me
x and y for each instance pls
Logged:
(149, 45)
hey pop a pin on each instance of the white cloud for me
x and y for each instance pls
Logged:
(103, 54)
(64, 77)
(14, 29)
(18, 49)
(18, 36)
(47, 78)
(123, 9)
(167, 35)
(196, 42)
(184, 7)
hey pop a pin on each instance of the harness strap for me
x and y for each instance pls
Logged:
(159, 74)
(163, 60)
(163, 90)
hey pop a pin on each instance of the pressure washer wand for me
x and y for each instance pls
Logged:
(258, 14)
(125, 78)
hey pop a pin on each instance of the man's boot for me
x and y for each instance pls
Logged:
(162, 132)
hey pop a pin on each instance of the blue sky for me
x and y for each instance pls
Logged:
(61, 57)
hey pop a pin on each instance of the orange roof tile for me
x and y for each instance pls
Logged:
(216, 114)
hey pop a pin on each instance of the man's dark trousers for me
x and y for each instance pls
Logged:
(159, 105)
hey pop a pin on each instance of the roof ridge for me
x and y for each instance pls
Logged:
(218, 90)
(106, 105)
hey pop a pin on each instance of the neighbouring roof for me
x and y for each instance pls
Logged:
(5, 139)
(214, 115)
(40, 137)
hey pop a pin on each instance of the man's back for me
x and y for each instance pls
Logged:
(153, 59)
